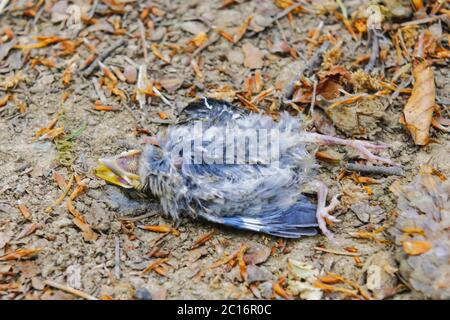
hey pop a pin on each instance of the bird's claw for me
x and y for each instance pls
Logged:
(323, 214)
(363, 149)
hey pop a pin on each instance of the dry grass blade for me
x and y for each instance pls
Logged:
(155, 266)
(342, 253)
(203, 239)
(68, 289)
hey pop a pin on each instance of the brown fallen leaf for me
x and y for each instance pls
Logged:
(414, 230)
(242, 265)
(159, 54)
(79, 221)
(203, 239)
(324, 156)
(155, 265)
(161, 229)
(53, 133)
(278, 289)
(21, 254)
(199, 39)
(28, 229)
(24, 211)
(59, 179)
(418, 111)
(416, 247)
(242, 29)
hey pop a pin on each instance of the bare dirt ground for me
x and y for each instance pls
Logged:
(125, 261)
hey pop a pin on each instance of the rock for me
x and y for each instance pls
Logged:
(37, 283)
(130, 74)
(142, 294)
(361, 211)
(73, 273)
(158, 34)
(61, 223)
(235, 56)
(255, 273)
(253, 56)
(97, 217)
(193, 27)
(287, 74)
(266, 289)
(256, 254)
(171, 84)
(228, 18)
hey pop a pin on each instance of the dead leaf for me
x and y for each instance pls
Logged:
(24, 211)
(171, 84)
(416, 247)
(59, 179)
(203, 239)
(242, 29)
(161, 229)
(159, 54)
(21, 254)
(418, 111)
(27, 230)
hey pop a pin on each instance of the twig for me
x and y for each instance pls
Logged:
(313, 99)
(99, 91)
(3, 4)
(315, 59)
(390, 171)
(71, 290)
(132, 219)
(424, 20)
(161, 96)
(341, 253)
(144, 43)
(93, 8)
(89, 68)
(375, 51)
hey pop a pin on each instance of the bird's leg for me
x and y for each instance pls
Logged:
(323, 211)
(361, 146)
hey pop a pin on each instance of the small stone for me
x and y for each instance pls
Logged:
(158, 34)
(253, 56)
(255, 273)
(194, 27)
(235, 57)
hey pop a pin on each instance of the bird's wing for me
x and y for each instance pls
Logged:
(210, 110)
(294, 222)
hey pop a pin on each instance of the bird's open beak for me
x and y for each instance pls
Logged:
(121, 170)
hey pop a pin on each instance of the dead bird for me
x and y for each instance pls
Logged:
(235, 168)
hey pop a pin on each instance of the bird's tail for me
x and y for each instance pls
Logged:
(299, 220)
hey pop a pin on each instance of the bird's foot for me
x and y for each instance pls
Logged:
(363, 147)
(323, 211)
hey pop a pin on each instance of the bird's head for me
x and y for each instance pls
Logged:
(121, 170)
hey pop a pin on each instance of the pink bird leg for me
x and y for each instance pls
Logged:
(361, 146)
